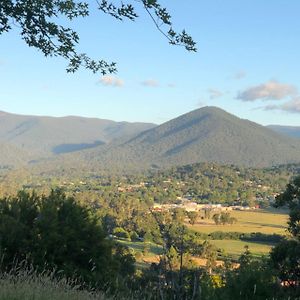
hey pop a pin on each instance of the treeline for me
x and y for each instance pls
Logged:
(249, 237)
(203, 183)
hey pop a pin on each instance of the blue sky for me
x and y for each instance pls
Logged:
(247, 63)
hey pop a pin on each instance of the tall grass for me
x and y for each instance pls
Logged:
(26, 284)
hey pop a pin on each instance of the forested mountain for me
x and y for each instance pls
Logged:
(293, 131)
(43, 136)
(207, 134)
(11, 155)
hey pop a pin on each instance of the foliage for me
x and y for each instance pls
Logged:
(291, 198)
(192, 215)
(286, 255)
(55, 232)
(39, 28)
(121, 233)
(252, 280)
(223, 218)
(24, 283)
(286, 259)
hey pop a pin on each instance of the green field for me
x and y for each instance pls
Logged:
(139, 246)
(264, 221)
(235, 248)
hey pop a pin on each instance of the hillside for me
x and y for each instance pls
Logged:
(292, 131)
(44, 136)
(207, 134)
(11, 156)
(204, 135)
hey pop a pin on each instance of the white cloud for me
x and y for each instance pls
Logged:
(214, 93)
(271, 90)
(108, 80)
(292, 106)
(150, 83)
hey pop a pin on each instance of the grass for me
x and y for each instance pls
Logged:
(139, 246)
(232, 248)
(264, 221)
(24, 284)
(235, 248)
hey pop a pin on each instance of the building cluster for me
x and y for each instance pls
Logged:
(193, 206)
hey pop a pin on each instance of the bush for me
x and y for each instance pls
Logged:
(121, 233)
(56, 232)
(134, 236)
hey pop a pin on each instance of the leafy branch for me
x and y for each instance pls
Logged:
(39, 29)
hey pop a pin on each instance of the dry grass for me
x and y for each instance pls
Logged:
(25, 284)
(263, 221)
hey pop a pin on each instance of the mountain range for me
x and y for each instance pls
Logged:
(207, 134)
(42, 136)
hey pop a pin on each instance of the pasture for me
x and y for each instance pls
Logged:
(265, 221)
(234, 248)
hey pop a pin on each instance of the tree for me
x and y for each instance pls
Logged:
(224, 218)
(55, 232)
(217, 218)
(192, 215)
(286, 255)
(37, 21)
(178, 215)
(252, 280)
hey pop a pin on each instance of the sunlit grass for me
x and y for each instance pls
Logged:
(236, 247)
(26, 284)
(263, 221)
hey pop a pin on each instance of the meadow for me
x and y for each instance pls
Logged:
(265, 221)
(268, 221)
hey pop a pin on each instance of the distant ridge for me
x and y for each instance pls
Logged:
(292, 131)
(44, 136)
(208, 134)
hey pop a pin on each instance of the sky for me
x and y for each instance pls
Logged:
(247, 63)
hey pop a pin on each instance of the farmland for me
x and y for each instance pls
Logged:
(265, 221)
(269, 221)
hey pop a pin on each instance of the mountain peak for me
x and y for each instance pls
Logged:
(210, 134)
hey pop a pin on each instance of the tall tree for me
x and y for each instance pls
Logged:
(55, 232)
(286, 255)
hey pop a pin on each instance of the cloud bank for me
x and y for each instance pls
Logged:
(271, 90)
(292, 106)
